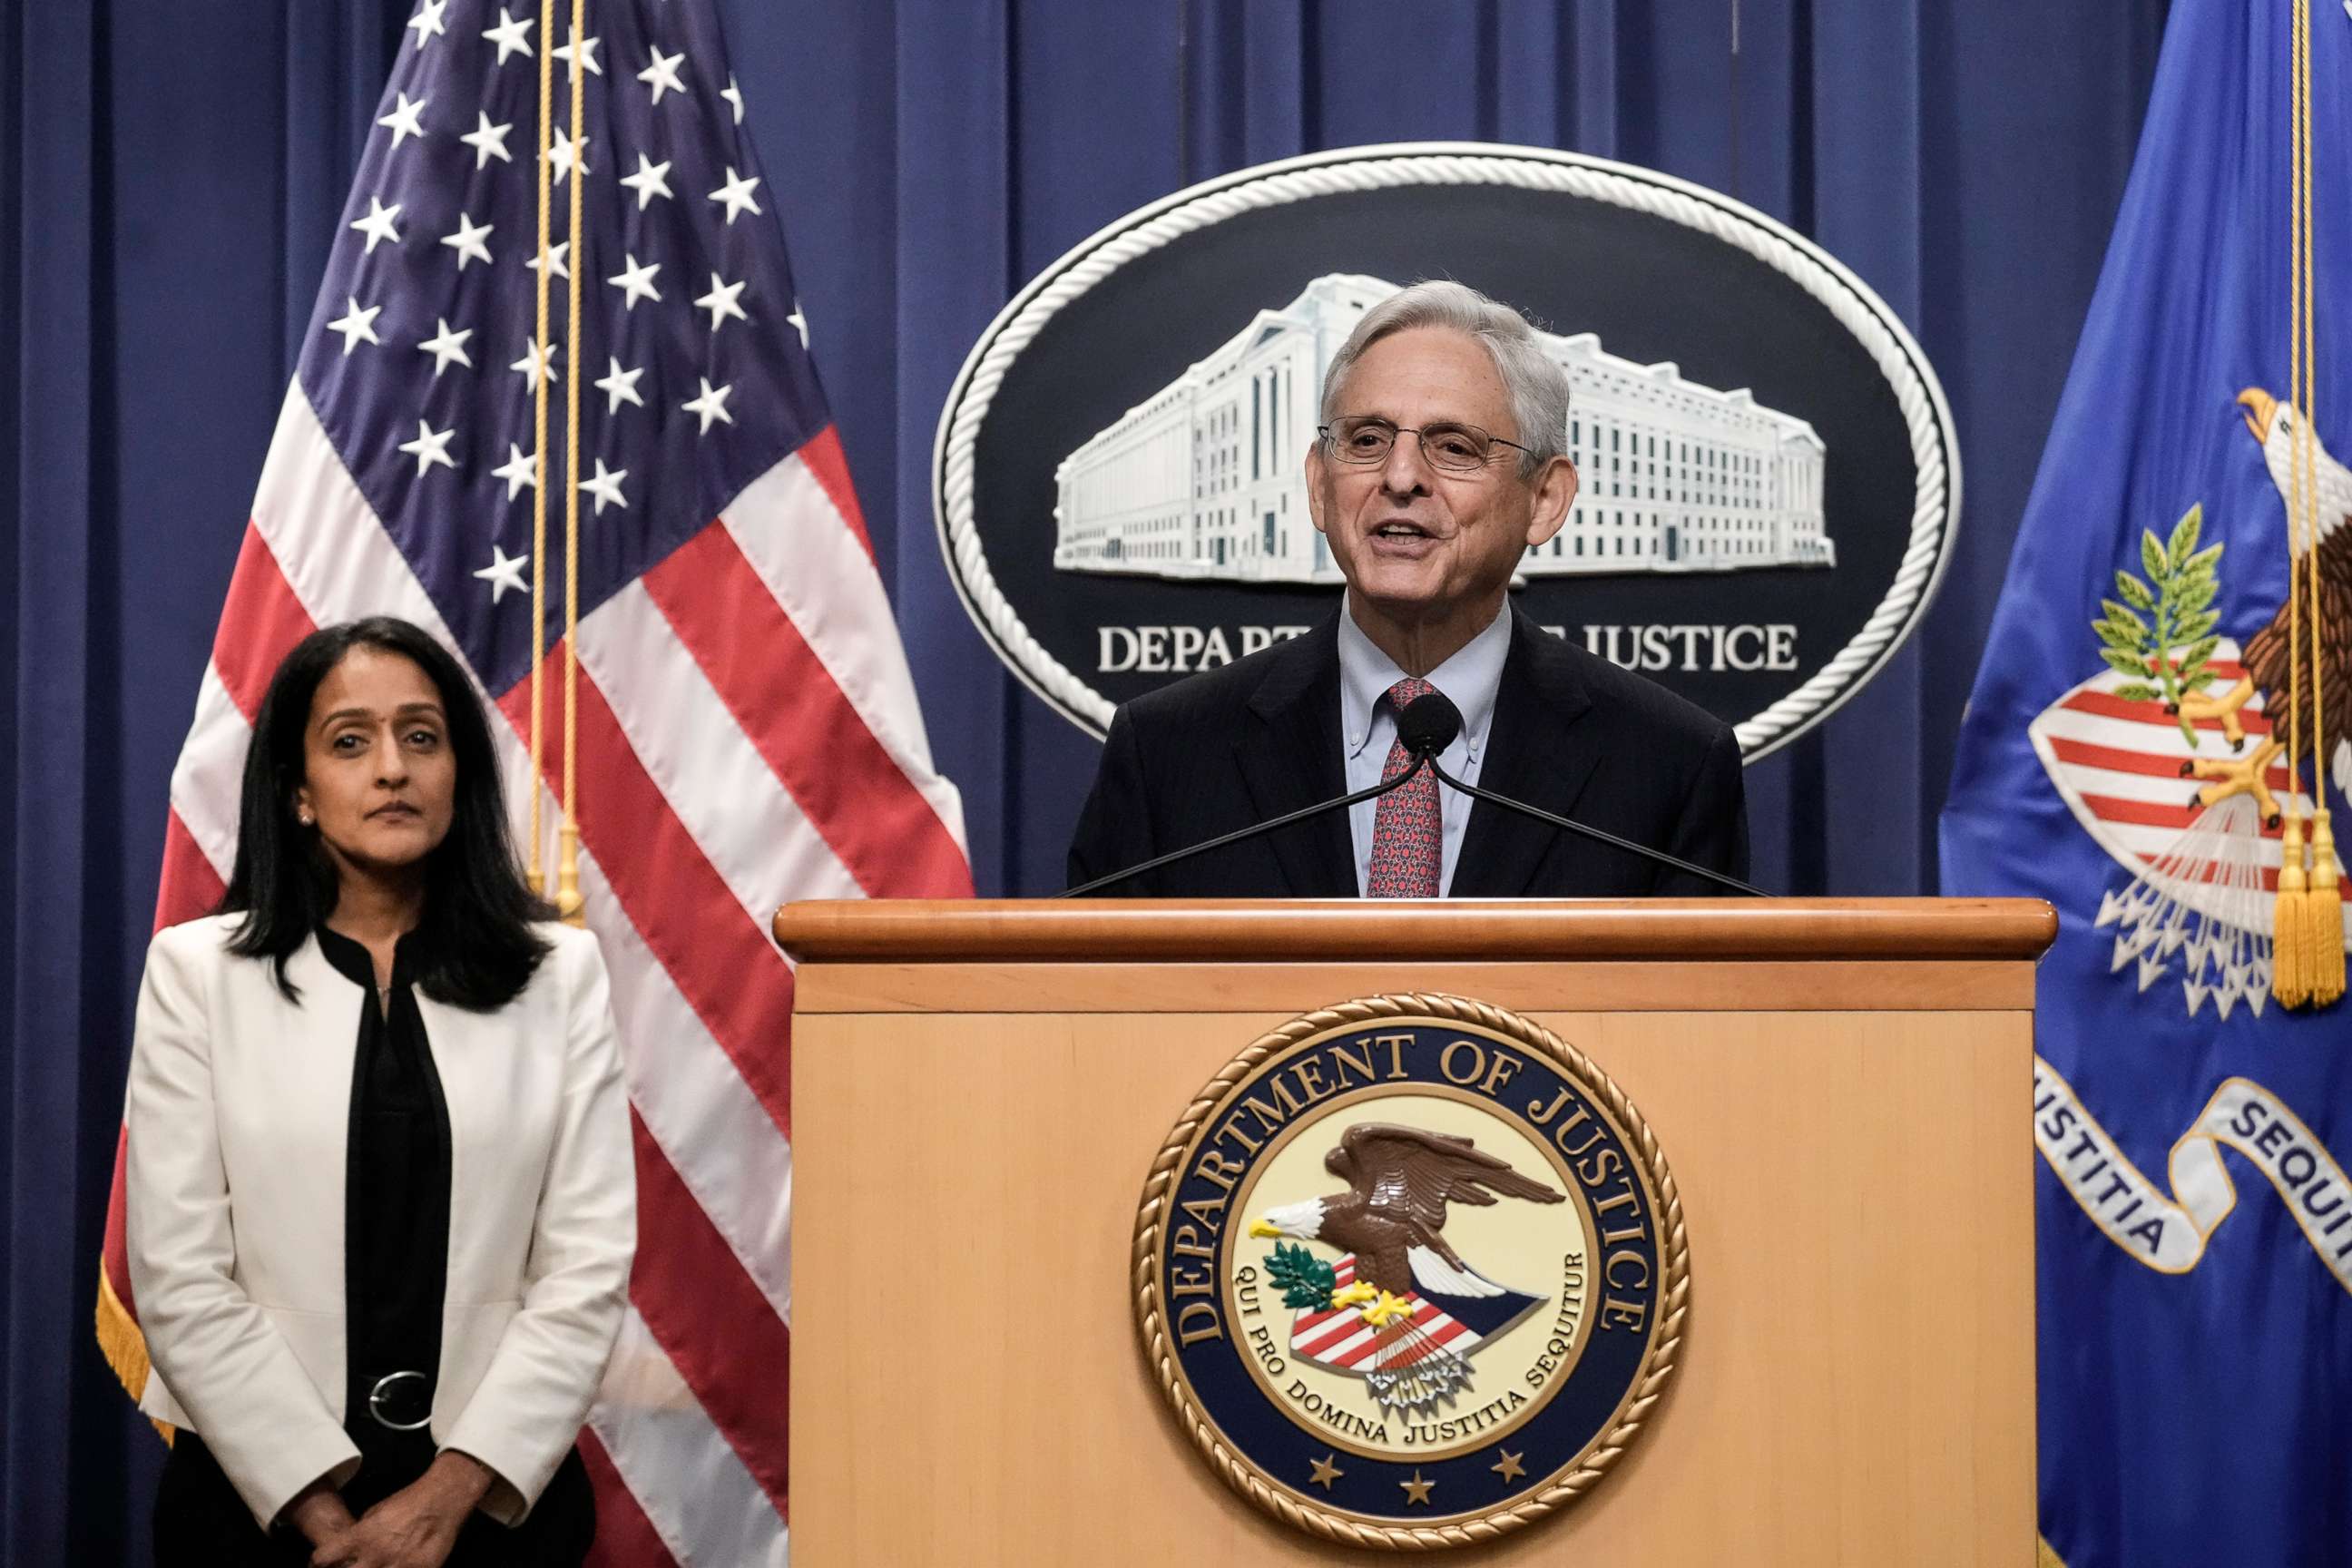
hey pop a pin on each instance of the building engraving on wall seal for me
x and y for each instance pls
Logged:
(1205, 479)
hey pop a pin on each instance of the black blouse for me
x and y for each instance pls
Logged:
(395, 1200)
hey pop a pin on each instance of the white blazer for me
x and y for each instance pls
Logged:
(238, 1116)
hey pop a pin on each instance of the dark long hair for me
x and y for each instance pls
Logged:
(474, 946)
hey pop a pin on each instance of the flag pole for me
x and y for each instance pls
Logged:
(568, 901)
(2322, 905)
(2291, 959)
(537, 862)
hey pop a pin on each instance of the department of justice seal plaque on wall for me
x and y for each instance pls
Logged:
(1770, 479)
(1410, 1272)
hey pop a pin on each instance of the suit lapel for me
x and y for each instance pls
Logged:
(1289, 757)
(1538, 752)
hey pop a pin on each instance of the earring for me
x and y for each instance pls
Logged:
(304, 818)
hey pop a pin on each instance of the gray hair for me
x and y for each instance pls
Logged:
(1537, 387)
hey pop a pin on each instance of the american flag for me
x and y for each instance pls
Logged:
(748, 729)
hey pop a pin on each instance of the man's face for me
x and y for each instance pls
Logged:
(1415, 541)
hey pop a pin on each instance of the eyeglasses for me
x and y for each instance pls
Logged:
(1449, 448)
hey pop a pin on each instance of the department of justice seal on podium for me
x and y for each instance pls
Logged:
(1410, 1272)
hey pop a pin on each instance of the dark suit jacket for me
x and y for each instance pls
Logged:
(1572, 732)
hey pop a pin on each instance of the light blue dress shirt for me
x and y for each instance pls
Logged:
(1368, 729)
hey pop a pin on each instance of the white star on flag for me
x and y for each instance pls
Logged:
(487, 141)
(651, 180)
(537, 362)
(521, 471)
(662, 75)
(720, 301)
(736, 194)
(404, 122)
(430, 446)
(426, 23)
(565, 155)
(468, 241)
(504, 572)
(719, 518)
(712, 404)
(587, 58)
(619, 386)
(606, 486)
(377, 225)
(508, 35)
(354, 324)
(637, 282)
(445, 346)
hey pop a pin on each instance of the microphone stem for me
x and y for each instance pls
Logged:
(1420, 761)
(1603, 835)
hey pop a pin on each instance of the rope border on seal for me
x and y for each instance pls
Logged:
(1926, 419)
(1657, 1363)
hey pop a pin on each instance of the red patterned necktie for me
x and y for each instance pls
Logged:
(1407, 835)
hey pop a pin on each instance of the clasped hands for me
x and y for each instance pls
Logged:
(413, 1528)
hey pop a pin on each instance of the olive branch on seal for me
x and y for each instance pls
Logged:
(2172, 609)
(1305, 1280)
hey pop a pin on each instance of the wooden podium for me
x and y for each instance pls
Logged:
(1841, 1087)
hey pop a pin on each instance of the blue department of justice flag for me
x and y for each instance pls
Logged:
(2126, 756)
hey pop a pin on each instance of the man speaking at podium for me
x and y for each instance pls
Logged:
(1440, 463)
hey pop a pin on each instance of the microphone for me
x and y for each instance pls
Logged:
(1427, 726)
(1436, 721)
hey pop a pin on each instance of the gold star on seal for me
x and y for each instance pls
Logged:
(1510, 1470)
(1325, 1471)
(1417, 1490)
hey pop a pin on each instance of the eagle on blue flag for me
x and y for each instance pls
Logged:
(2159, 743)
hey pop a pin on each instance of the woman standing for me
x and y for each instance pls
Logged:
(380, 1192)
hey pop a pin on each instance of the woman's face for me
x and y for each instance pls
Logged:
(379, 780)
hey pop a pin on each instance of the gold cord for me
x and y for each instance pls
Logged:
(2308, 916)
(2323, 907)
(2290, 958)
(2306, 445)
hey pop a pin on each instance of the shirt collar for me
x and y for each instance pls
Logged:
(352, 961)
(1470, 680)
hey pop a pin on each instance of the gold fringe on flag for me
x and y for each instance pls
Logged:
(124, 1347)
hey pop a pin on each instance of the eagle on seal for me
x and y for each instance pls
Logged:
(1393, 1216)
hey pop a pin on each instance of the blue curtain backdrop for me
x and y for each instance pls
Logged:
(171, 172)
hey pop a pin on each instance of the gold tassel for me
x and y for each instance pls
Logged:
(2322, 918)
(2290, 973)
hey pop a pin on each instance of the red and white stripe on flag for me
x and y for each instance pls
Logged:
(749, 735)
